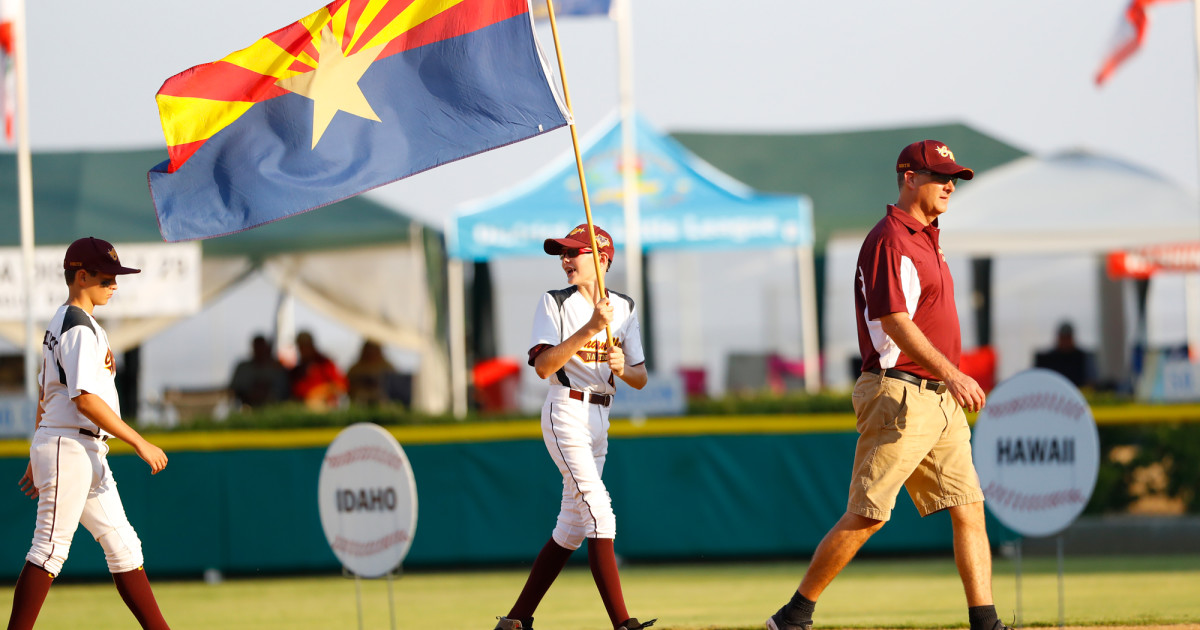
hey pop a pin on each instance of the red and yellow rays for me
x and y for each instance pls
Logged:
(197, 103)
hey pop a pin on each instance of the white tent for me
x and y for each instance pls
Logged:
(1047, 223)
(359, 263)
(1073, 202)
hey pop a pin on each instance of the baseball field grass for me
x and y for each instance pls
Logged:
(1112, 592)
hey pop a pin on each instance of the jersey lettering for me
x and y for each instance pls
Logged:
(595, 351)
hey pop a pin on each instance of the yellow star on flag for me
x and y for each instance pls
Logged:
(333, 85)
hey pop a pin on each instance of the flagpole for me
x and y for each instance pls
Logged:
(25, 195)
(1192, 305)
(587, 205)
(631, 194)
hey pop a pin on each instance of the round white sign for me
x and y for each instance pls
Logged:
(368, 500)
(1037, 452)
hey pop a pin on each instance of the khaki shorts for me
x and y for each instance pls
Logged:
(913, 437)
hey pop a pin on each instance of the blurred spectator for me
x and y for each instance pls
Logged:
(316, 380)
(374, 381)
(1067, 359)
(261, 379)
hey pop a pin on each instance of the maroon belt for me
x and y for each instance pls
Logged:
(603, 400)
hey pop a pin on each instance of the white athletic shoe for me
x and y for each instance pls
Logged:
(505, 623)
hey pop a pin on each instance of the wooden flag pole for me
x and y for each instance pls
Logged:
(587, 206)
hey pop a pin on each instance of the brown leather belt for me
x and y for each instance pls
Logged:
(102, 438)
(931, 385)
(603, 400)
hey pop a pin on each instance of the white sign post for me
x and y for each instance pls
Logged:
(1037, 453)
(368, 501)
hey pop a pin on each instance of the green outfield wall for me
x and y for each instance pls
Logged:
(683, 489)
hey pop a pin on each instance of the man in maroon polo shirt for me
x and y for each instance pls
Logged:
(910, 397)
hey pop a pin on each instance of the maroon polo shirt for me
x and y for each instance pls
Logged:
(901, 269)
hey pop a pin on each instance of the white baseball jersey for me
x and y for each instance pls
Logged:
(76, 358)
(69, 454)
(565, 311)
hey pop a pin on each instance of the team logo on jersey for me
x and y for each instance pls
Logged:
(945, 152)
(595, 351)
(109, 363)
(942, 254)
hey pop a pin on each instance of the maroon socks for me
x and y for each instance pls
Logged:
(32, 587)
(135, 590)
(549, 564)
(603, 562)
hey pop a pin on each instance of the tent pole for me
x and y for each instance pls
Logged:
(25, 194)
(587, 205)
(631, 195)
(458, 337)
(1191, 292)
(808, 318)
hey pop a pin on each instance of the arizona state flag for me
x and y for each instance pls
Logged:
(359, 94)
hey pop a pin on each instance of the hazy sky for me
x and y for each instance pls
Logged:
(1020, 70)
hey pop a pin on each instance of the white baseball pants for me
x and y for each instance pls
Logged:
(75, 485)
(576, 434)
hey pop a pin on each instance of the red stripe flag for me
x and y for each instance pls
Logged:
(1130, 33)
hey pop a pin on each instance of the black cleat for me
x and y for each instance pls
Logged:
(777, 622)
(634, 624)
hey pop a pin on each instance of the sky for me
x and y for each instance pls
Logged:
(1021, 71)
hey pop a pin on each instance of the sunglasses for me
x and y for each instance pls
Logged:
(940, 178)
(575, 251)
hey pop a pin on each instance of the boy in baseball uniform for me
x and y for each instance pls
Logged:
(68, 471)
(570, 348)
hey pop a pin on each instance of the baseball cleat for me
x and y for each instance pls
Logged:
(777, 622)
(505, 623)
(633, 624)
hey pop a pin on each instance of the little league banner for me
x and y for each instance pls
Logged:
(359, 94)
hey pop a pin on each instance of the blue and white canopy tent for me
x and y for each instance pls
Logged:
(685, 204)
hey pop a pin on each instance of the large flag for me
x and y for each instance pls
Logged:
(8, 9)
(358, 94)
(1130, 33)
(574, 7)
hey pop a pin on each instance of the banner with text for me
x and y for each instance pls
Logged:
(169, 283)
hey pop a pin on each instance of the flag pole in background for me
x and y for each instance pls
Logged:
(1192, 280)
(587, 204)
(15, 9)
(629, 176)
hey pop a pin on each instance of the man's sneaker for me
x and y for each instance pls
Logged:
(633, 624)
(505, 623)
(776, 622)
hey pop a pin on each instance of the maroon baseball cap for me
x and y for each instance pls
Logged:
(578, 237)
(931, 155)
(96, 256)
